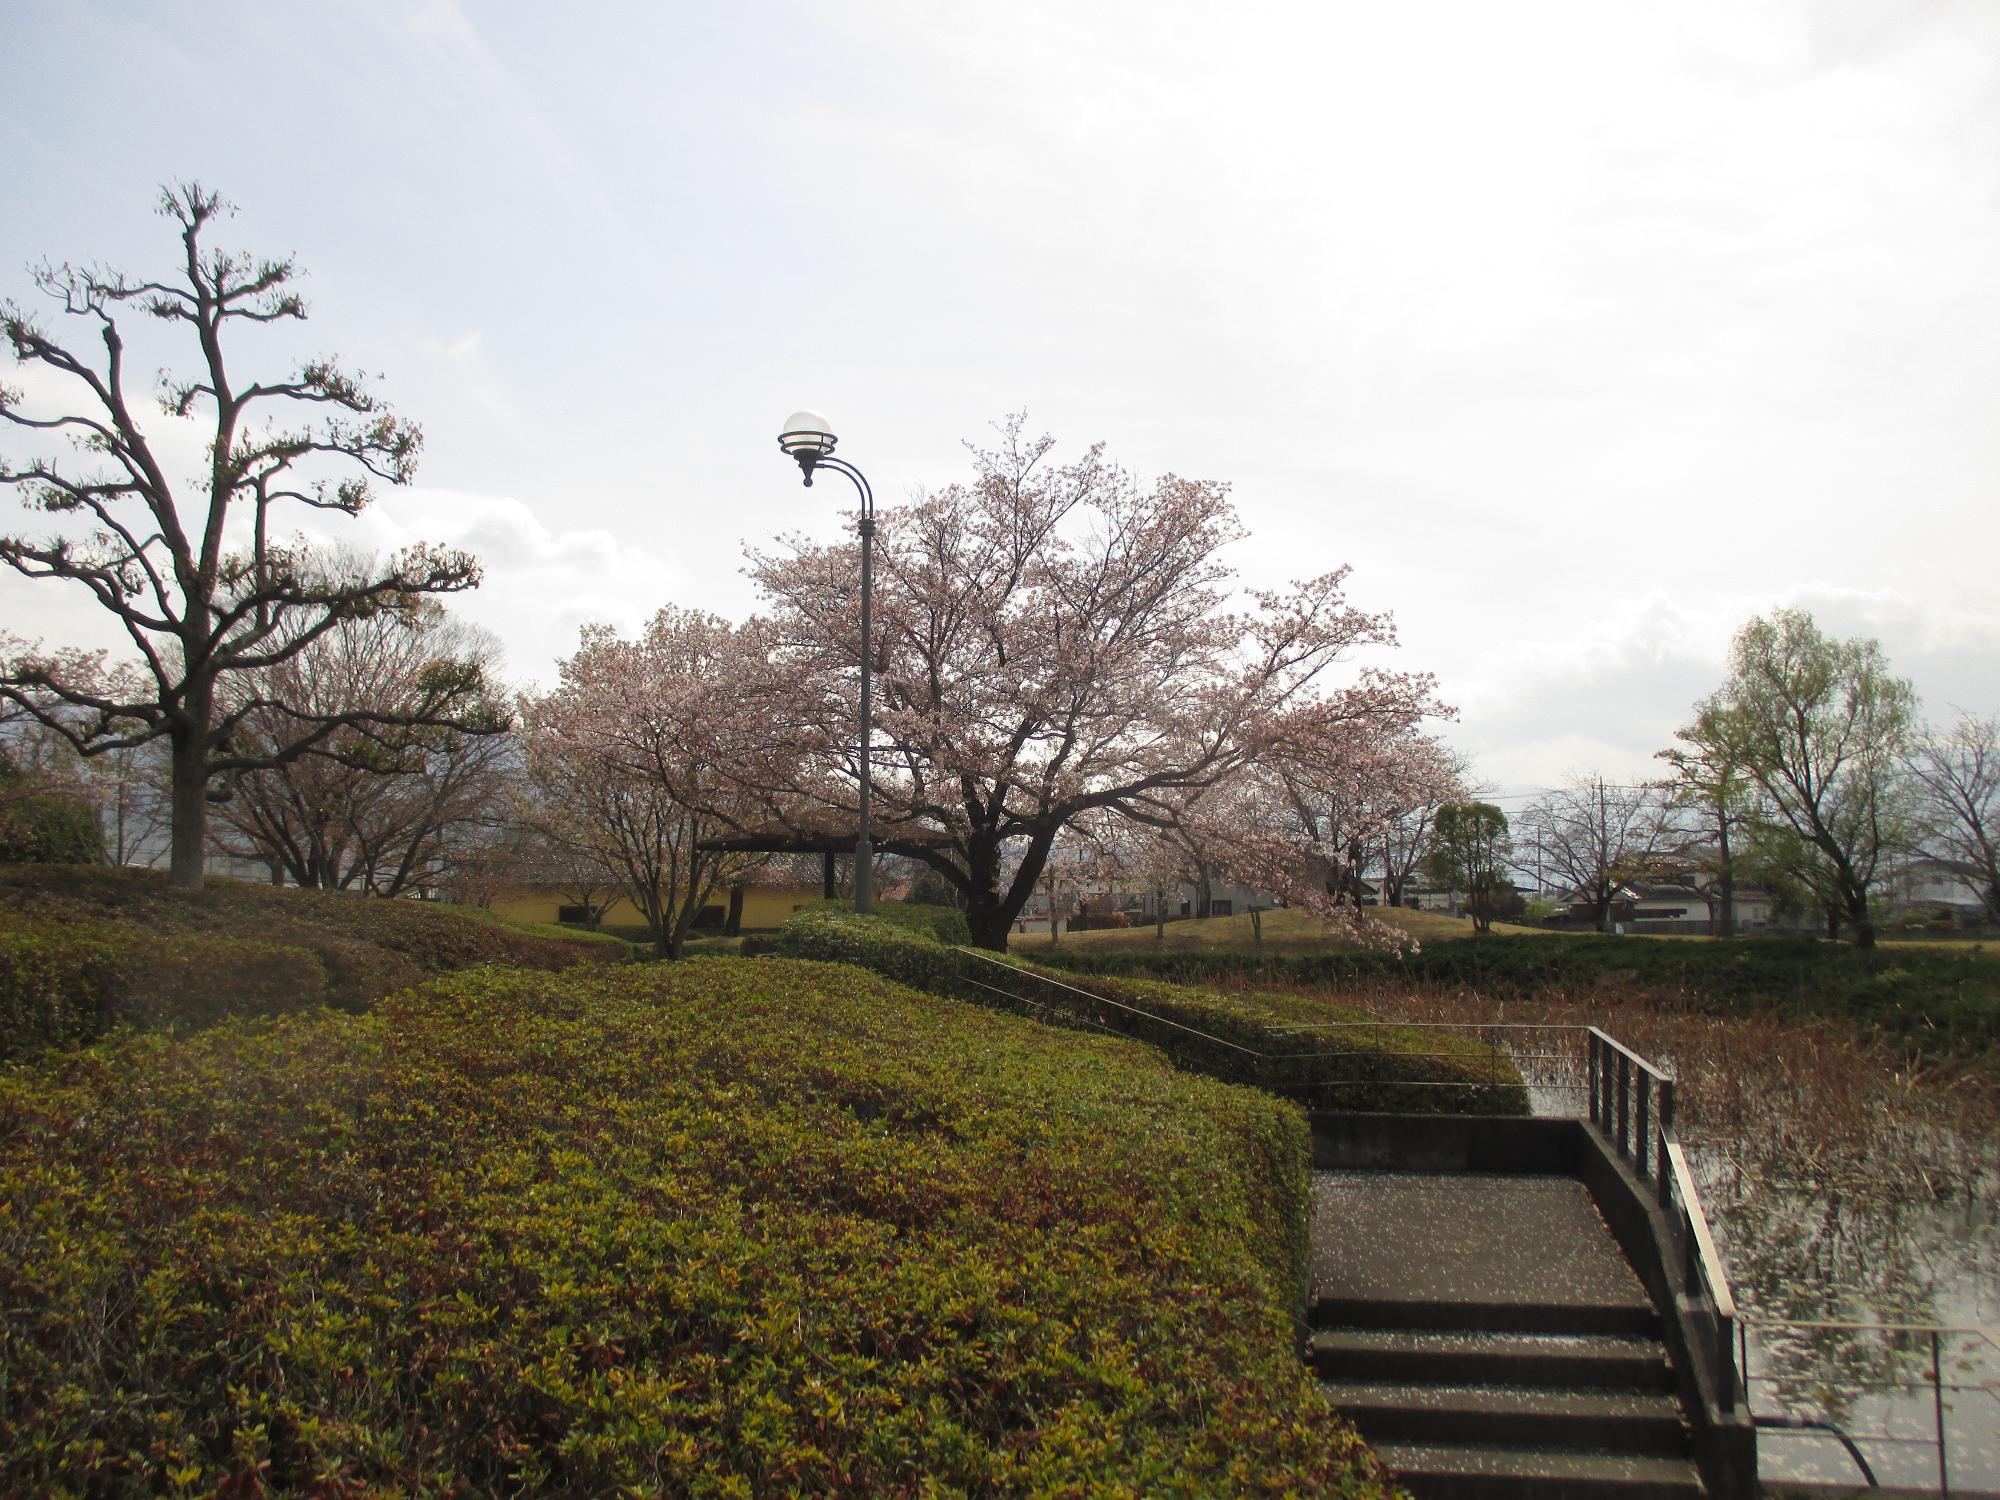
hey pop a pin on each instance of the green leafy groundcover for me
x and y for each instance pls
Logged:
(713, 1229)
(1325, 1056)
(1934, 1004)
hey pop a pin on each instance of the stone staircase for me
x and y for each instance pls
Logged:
(1550, 1404)
(1505, 1350)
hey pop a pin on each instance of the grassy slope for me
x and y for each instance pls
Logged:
(708, 1229)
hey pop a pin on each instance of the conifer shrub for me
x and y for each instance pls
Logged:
(704, 1229)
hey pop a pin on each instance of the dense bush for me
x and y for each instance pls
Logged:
(905, 953)
(704, 1229)
(74, 982)
(366, 945)
(1934, 1002)
(941, 924)
(50, 830)
(1325, 1056)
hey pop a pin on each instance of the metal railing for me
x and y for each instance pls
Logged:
(1936, 1335)
(1632, 1102)
(1283, 1066)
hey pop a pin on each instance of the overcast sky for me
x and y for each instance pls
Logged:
(1583, 331)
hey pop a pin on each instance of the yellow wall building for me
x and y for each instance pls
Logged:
(762, 908)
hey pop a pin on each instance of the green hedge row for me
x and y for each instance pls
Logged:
(941, 924)
(898, 952)
(709, 1229)
(367, 946)
(62, 985)
(1350, 1063)
(1933, 1002)
(1324, 1056)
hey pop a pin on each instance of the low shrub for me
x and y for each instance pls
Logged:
(903, 952)
(1324, 1056)
(703, 1229)
(65, 984)
(941, 924)
(367, 946)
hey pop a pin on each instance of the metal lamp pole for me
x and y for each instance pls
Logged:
(807, 439)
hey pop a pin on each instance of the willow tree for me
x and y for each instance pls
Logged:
(187, 563)
(1821, 726)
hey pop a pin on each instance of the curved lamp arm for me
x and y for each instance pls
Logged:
(810, 461)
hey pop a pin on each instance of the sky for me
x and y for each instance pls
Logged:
(1582, 331)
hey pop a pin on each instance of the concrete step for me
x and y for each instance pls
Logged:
(1454, 1471)
(1631, 1319)
(1593, 1361)
(1626, 1422)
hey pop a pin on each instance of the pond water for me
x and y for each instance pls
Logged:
(1804, 1249)
(1843, 1188)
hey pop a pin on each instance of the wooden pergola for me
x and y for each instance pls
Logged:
(829, 839)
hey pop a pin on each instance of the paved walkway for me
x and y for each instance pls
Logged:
(1473, 1238)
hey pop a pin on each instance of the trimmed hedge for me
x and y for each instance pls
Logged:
(706, 1229)
(1243, 1038)
(62, 985)
(368, 946)
(941, 924)
(899, 952)
(1933, 1003)
(1275, 1041)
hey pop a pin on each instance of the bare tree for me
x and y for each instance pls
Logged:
(187, 564)
(1957, 773)
(1596, 835)
(377, 805)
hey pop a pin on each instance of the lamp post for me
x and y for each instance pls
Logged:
(807, 439)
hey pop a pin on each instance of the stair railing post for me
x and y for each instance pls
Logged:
(1641, 1140)
(1665, 1184)
(1590, 1047)
(1624, 1106)
(1937, 1406)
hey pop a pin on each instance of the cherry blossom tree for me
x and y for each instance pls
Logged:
(639, 751)
(1053, 640)
(186, 563)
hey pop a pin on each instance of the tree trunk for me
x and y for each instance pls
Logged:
(1858, 921)
(1726, 882)
(190, 800)
(989, 920)
(733, 927)
(1833, 924)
